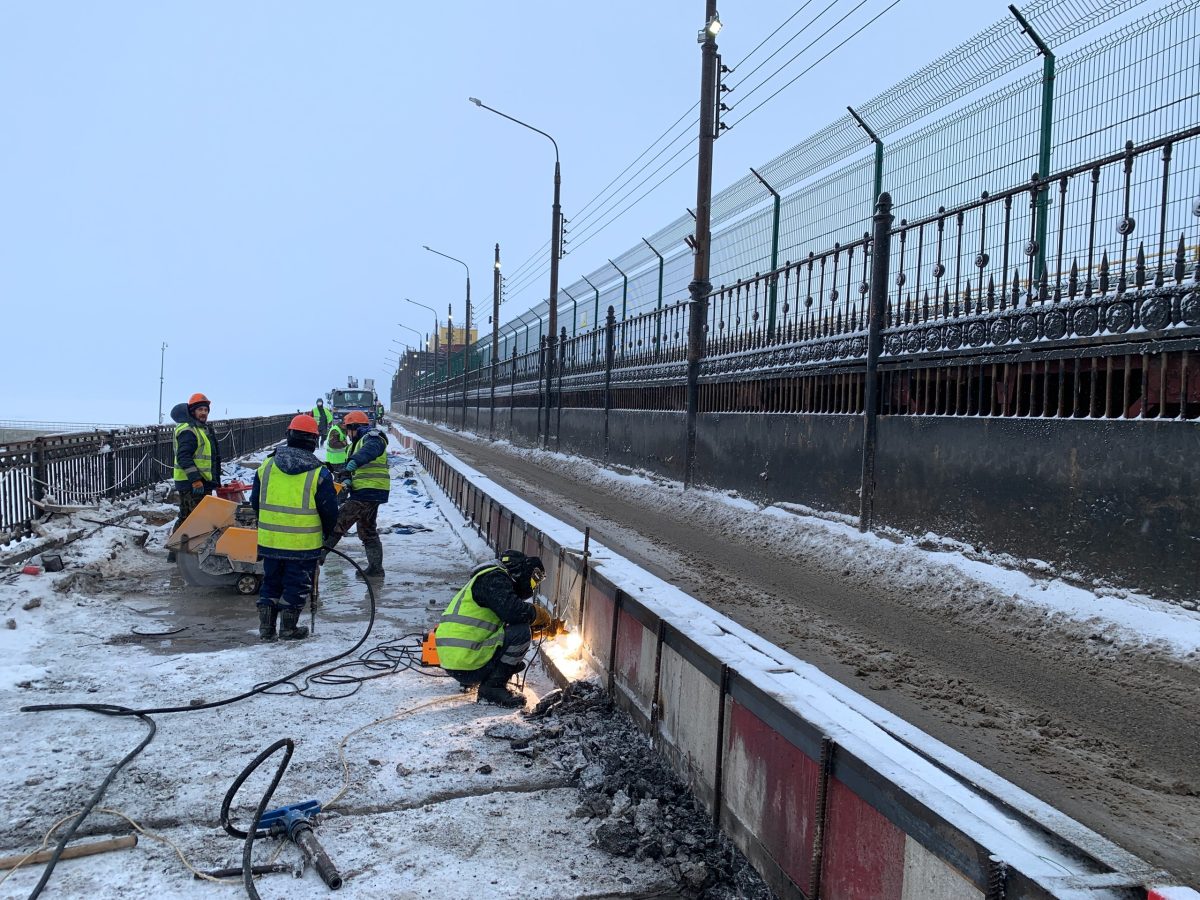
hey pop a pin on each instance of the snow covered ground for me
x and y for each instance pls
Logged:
(432, 794)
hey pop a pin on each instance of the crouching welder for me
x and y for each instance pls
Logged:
(484, 632)
(297, 510)
(197, 456)
(367, 472)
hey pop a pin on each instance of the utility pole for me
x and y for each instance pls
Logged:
(495, 340)
(700, 287)
(162, 362)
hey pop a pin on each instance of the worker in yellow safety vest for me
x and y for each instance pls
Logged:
(484, 633)
(296, 504)
(337, 447)
(370, 481)
(197, 456)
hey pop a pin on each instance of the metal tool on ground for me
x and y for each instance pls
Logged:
(296, 823)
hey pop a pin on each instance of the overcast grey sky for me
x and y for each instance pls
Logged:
(252, 182)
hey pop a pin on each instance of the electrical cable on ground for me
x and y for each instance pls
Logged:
(144, 715)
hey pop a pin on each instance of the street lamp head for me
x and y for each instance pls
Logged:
(712, 29)
(476, 101)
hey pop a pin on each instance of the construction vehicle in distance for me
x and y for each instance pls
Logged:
(352, 397)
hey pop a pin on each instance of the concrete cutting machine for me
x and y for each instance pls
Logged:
(217, 546)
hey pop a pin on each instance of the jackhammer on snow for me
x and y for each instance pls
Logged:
(296, 822)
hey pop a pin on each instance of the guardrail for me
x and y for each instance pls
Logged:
(827, 793)
(86, 467)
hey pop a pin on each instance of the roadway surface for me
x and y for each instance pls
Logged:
(1110, 736)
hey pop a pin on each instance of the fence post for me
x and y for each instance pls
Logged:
(773, 291)
(610, 327)
(110, 466)
(880, 259)
(1044, 138)
(40, 470)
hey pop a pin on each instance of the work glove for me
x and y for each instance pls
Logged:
(541, 618)
(197, 488)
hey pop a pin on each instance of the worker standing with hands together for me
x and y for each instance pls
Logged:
(197, 470)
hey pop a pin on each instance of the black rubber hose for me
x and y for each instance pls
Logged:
(257, 689)
(252, 833)
(99, 793)
(144, 714)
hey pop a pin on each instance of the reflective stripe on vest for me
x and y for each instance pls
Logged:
(287, 509)
(334, 455)
(468, 635)
(374, 474)
(202, 456)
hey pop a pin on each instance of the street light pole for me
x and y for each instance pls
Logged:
(466, 331)
(700, 287)
(495, 341)
(436, 328)
(555, 256)
(162, 363)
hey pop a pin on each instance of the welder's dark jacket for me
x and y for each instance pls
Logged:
(471, 629)
(299, 495)
(187, 444)
(371, 480)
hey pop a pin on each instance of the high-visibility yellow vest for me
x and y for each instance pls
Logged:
(287, 509)
(322, 415)
(333, 455)
(374, 474)
(202, 457)
(468, 634)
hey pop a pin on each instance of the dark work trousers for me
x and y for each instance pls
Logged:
(187, 505)
(364, 514)
(286, 582)
(507, 661)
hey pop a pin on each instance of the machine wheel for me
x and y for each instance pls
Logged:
(248, 584)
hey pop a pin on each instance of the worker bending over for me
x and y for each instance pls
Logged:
(297, 510)
(197, 456)
(484, 632)
(337, 447)
(367, 473)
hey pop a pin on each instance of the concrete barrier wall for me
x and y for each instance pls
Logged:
(810, 780)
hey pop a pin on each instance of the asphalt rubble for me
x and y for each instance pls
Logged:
(641, 808)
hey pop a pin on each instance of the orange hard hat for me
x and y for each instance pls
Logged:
(198, 400)
(303, 422)
(356, 417)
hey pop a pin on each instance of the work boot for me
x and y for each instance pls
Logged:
(500, 695)
(374, 561)
(288, 630)
(266, 622)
